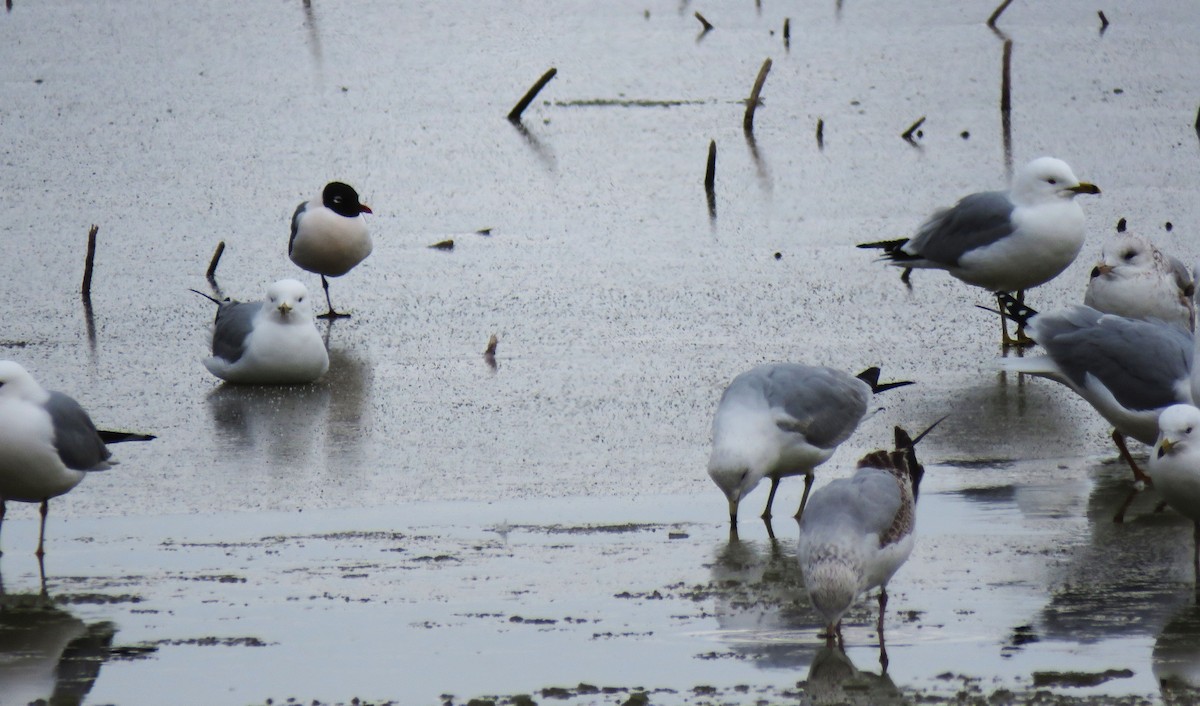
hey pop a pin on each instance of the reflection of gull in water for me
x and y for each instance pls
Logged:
(1123, 580)
(1176, 656)
(47, 655)
(758, 603)
(833, 679)
(292, 426)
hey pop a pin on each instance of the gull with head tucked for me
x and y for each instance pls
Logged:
(1003, 241)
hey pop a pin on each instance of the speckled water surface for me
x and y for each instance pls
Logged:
(422, 527)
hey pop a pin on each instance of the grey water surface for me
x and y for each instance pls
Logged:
(420, 526)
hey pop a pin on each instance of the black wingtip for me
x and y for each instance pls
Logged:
(1013, 309)
(885, 245)
(871, 377)
(212, 299)
(116, 437)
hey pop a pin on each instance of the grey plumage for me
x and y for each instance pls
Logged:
(75, 436)
(296, 225)
(1140, 362)
(234, 322)
(824, 404)
(976, 221)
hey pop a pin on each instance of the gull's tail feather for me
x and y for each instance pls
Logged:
(116, 437)
(892, 249)
(871, 377)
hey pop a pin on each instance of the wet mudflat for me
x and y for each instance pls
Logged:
(420, 527)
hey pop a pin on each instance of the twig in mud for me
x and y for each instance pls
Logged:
(912, 129)
(710, 179)
(1006, 106)
(991, 22)
(443, 245)
(1103, 21)
(514, 115)
(211, 273)
(707, 25)
(89, 263)
(489, 354)
(484, 231)
(820, 133)
(753, 101)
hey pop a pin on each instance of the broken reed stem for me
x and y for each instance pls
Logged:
(1103, 20)
(707, 25)
(514, 115)
(820, 133)
(1198, 121)
(216, 259)
(491, 345)
(787, 33)
(908, 134)
(89, 263)
(997, 12)
(752, 102)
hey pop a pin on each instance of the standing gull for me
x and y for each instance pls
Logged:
(329, 236)
(270, 342)
(785, 419)
(1129, 370)
(1135, 279)
(1003, 241)
(47, 443)
(1175, 467)
(858, 531)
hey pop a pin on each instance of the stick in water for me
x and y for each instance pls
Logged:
(752, 102)
(89, 262)
(514, 115)
(216, 260)
(710, 179)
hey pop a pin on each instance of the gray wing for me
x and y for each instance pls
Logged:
(1140, 362)
(865, 503)
(234, 322)
(296, 224)
(974, 222)
(824, 404)
(75, 437)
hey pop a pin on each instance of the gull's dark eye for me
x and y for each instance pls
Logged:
(1187, 431)
(1051, 180)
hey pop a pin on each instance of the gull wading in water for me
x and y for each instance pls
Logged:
(858, 531)
(785, 419)
(1003, 241)
(47, 443)
(1135, 279)
(272, 342)
(329, 236)
(1175, 467)
(1129, 370)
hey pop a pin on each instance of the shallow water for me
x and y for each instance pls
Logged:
(345, 539)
